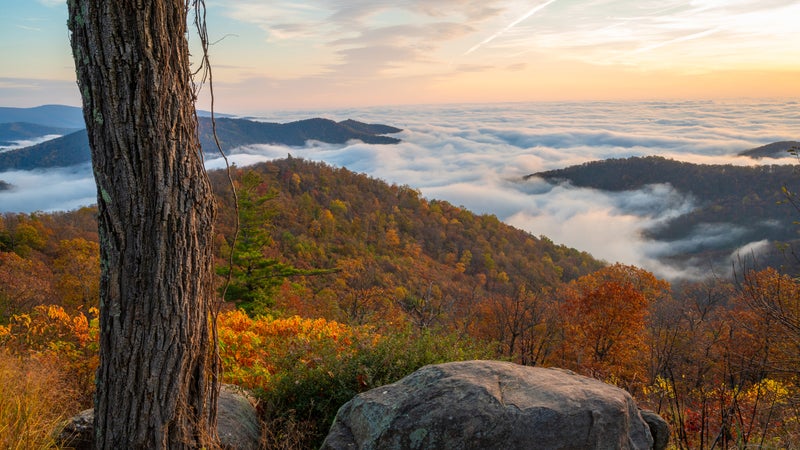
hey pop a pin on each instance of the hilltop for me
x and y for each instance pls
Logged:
(426, 261)
(774, 150)
(20, 131)
(64, 151)
(743, 204)
(234, 133)
(58, 116)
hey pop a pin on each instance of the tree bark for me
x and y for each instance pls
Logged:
(157, 376)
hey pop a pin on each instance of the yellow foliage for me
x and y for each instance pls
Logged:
(773, 391)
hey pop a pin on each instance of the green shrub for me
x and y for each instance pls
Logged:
(305, 395)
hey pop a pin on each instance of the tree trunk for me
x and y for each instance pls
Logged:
(157, 377)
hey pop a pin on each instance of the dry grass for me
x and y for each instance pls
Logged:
(34, 400)
(288, 433)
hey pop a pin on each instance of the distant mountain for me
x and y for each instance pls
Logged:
(774, 150)
(59, 116)
(234, 133)
(746, 203)
(65, 151)
(74, 148)
(19, 131)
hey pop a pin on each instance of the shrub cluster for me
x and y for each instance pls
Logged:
(303, 370)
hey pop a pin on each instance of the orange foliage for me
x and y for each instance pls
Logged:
(24, 283)
(253, 349)
(604, 321)
(77, 270)
(524, 325)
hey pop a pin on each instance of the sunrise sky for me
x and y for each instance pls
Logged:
(330, 54)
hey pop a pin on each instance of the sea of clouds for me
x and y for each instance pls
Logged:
(477, 155)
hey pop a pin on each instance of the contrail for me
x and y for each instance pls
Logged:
(508, 27)
(677, 40)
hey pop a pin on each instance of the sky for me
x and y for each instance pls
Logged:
(333, 54)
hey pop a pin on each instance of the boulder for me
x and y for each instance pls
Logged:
(490, 405)
(238, 426)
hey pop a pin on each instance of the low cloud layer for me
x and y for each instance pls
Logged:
(476, 156)
(27, 142)
(48, 190)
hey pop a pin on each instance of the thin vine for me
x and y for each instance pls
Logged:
(206, 77)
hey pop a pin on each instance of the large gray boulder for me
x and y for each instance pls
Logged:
(491, 405)
(238, 426)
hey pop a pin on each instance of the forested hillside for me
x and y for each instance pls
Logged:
(429, 258)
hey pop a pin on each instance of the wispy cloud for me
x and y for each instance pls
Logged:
(330, 46)
(51, 3)
(733, 33)
(28, 28)
(408, 37)
(508, 27)
(689, 37)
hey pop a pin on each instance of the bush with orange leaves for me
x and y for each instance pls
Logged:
(253, 351)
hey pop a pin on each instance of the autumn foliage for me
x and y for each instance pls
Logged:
(408, 282)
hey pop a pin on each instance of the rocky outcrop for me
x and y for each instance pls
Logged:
(237, 424)
(491, 405)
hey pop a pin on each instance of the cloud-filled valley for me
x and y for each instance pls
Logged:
(477, 156)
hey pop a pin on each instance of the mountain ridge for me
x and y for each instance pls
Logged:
(73, 148)
(61, 116)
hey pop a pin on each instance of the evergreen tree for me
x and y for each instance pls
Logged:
(254, 277)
